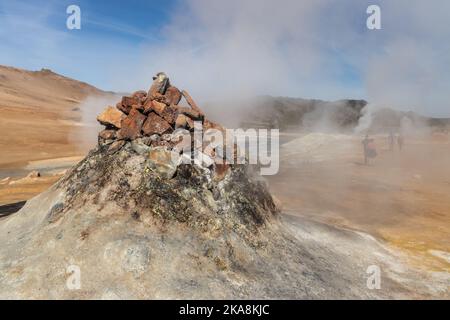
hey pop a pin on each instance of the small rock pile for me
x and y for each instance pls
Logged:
(149, 120)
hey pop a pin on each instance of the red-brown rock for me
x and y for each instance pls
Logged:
(127, 104)
(148, 107)
(139, 107)
(108, 134)
(173, 96)
(124, 109)
(111, 117)
(129, 101)
(131, 125)
(182, 121)
(189, 112)
(160, 98)
(141, 95)
(158, 107)
(155, 124)
(169, 114)
(192, 103)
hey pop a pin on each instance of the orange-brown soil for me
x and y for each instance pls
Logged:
(400, 197)
(40, 119)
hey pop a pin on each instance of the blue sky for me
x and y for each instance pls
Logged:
(313, 49)
(34, 35)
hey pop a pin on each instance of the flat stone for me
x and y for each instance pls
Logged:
(140, 95)
(173, 95)
(130, 101)
(155, 124)
(124, 109)
(111, 117)
(131, 125)
(169, 114)
(158, 107)
(148, 107)
(127, 104)
(108, 134)
(154, 106)
(189, 112)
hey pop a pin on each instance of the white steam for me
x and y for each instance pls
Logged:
(311, 49)
(85, 135)
(227, 51)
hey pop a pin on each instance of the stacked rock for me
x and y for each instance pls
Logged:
(152, 118)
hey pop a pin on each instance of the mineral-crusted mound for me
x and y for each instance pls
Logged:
(152, 189)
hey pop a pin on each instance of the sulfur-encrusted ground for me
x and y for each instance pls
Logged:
(134, 231)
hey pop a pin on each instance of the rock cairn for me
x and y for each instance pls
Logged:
(149, 120)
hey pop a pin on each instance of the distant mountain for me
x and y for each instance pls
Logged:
(302, 114)
(43, 88)
(296, 113)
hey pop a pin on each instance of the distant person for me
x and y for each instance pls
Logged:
(391, 140)
(369, 148)
(400, 141)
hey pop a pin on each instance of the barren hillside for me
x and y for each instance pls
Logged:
(43, 107)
